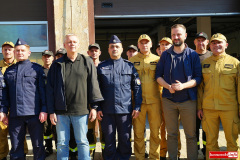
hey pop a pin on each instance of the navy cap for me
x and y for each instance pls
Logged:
(20, 42)
(114, 39)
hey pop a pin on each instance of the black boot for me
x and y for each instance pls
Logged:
(73, 155)
(48, 147)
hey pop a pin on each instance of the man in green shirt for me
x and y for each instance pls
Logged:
(71, 86)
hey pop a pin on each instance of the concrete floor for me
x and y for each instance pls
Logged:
(221, 141)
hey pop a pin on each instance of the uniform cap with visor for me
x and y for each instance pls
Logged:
(61, 51)
(47, 52)
(8, 43)
(218, 37)
(132, 47)
(165, 39)
(94, 45)
(144, 36)
(201, 34)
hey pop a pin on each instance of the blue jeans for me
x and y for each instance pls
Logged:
(80, 128)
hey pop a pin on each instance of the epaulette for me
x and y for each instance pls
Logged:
(11, 66)
(37, 64)
(125, 60)
(102, 62)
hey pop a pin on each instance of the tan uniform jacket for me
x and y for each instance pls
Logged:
(220, 88)
(3, 67)
(146, 67)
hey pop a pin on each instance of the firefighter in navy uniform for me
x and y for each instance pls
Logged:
(117, 78)
(8, 60)
(25, 93)
(47, 58)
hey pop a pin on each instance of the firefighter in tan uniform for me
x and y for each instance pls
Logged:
(94, 52)
(145, 63)
(8, 60)
(218, 95)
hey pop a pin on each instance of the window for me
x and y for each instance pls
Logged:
(35, 33)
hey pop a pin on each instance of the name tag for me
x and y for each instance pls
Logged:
(230, 66)
(206, 65)
(153, 63)
(106, 68)
(137, 63)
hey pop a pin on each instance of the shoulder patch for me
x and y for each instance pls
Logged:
(206, 65)
(138, 82)
(125, 60)
(230, 66)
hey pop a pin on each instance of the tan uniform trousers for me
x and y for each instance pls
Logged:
(163, 144)
(154, 119)
(210, 123)
(4, 148)
(93, 139)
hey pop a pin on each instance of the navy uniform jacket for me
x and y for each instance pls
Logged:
(2, 89)
(25, 89)
(117, 78)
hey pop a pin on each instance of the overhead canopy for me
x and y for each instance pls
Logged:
(164, 8)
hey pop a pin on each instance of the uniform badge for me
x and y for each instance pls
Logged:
(137, 63)
(138, 81)
(206, 65)
(3, 83)
(153, 63)
(230, 66)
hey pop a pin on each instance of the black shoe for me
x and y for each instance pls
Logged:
(178, 158)
(48, 152)
(146, 155)
(203, 151)
(73, 155)
(5, 158)
(102, 154)
(73, 158)
(163, 158)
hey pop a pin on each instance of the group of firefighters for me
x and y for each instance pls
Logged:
(178, 84)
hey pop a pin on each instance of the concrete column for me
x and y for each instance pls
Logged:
(161, 32)
(71, 16)
(204, 25)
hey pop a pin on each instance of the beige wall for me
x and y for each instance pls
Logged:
(71, 16)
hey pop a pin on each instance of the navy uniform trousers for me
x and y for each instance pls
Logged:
(123, 124)
(17, 132)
